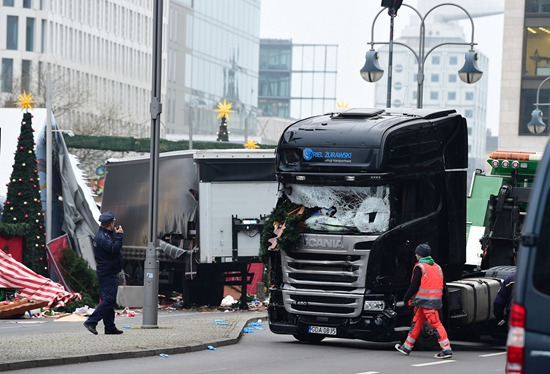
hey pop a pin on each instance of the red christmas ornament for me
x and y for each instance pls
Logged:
(21, 148)
(35, 171)
(7, 203)
(18, 138)
(26, 216)
(31, 179)
(34, 186)
(19, 194)
(20, 180)
(38, 201)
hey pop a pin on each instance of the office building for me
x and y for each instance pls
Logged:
(296, 80)
(98, 56)
(525, 65)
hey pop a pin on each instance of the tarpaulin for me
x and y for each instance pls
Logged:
(14, 274)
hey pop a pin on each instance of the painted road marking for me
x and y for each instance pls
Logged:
(493, 354)
(434, 363)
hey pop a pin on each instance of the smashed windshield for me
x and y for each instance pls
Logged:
(343, 208)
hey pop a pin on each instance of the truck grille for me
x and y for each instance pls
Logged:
(323, 281)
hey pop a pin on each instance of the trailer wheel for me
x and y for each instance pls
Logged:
(308, 338)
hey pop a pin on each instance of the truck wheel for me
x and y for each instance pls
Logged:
(427, 340)
(308, 338)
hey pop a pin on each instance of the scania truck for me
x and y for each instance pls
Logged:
(358, 191)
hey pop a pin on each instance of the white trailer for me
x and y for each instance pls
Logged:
(211, 210)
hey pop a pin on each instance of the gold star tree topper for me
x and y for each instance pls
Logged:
(25, 101)
(342, 104)
(224, 109)
(251, 144)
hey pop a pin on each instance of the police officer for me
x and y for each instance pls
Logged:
(108, 257)
(426, 291)
(503, 300)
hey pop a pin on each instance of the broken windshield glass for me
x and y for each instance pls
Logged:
(343, 208)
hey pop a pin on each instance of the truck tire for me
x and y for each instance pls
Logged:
(308, 338)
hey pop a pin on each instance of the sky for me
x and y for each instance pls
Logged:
(348, 23)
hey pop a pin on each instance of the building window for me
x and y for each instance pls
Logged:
(415, 77)
(453, 60)
(397, 86)
(30, 35)
(435, 78)
(470, 131)
(435, 60)
(25, 75)
(537, 57)
(434, 95)
(398, 68)
(468, 113)
(528, 97)
(7, 74)
(8, 2)
(451, 95)
(469, 96)
(452, 78)
(11, 32)
(27, 4)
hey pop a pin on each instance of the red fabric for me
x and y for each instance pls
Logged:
(14, 274)
(57, 245)
(13, 246)
(422, 315)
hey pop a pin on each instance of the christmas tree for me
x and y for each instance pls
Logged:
(223, 134)
(224, 111)
(22, 215)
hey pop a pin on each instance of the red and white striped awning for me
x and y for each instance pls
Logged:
(14, 274)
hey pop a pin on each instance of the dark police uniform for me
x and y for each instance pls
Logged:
(108, 257)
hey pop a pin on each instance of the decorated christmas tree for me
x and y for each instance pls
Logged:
(224, 111)
(22, 215)
(223, 134)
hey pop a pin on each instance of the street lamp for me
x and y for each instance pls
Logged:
(537, 125)
(469, 73)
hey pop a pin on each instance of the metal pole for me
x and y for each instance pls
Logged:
(191, 127)
(392, 13)
(151, 266)
(421, 58)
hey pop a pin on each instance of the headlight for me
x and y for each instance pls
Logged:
(374, 305)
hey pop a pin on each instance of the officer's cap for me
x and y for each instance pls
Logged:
(106, 217)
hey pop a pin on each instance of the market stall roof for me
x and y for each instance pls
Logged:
(33, 286)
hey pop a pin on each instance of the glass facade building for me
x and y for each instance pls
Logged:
(98, 54)
(296, 80)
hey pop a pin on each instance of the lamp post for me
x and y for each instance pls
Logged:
(537, 125)
(470, 73)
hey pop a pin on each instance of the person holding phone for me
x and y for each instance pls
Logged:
(107, 245)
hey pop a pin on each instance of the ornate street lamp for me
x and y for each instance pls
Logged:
(469, 73)
(537, 125)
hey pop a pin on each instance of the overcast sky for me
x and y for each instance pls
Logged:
(348, 24)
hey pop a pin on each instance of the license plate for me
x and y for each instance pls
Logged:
(322, 330)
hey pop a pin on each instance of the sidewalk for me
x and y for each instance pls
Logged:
(38, 342)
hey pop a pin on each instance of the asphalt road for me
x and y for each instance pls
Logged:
(264, 352)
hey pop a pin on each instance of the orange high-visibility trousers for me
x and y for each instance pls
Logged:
(422, 315)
